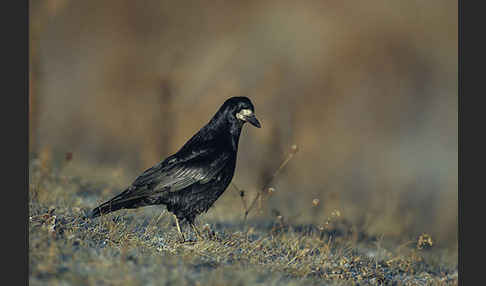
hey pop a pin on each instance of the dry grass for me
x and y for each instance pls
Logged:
(139, 247)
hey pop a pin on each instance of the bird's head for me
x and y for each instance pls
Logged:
(240, 109)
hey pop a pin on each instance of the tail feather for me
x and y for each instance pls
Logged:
(121, 201)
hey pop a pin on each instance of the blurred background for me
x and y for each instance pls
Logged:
(366, 90)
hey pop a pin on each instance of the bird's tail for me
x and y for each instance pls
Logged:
(121, 201)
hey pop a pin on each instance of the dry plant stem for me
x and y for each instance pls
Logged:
(150, 224)
(243, 201)
(284, 163)
(158, 219)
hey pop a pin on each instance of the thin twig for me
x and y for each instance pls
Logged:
(284, 163)
(241, 194)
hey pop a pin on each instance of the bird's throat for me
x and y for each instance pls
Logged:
(235, 132)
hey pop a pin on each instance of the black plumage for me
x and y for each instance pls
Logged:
(191, 180)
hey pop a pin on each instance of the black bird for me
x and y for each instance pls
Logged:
(191, 180)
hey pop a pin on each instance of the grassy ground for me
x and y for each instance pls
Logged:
(140, 247)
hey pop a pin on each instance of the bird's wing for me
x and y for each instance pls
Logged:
(175, 173)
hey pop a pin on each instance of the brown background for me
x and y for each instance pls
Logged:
(366, 89)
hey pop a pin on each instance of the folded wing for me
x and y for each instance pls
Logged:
(171, 175)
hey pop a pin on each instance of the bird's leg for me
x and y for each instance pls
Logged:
(198, 234)
(179, 229)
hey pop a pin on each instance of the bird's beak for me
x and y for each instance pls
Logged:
(248, 115)
(253, 120)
